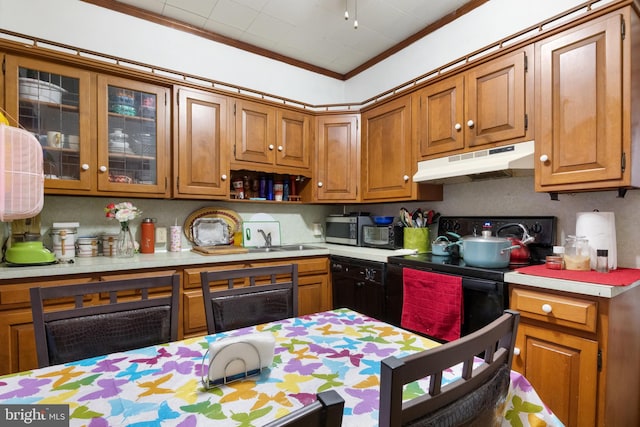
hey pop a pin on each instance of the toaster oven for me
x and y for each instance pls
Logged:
(383, 236)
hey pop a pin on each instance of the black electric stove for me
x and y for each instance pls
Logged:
(541, 228)
(484, 291)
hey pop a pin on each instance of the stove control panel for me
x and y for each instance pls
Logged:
(541, 228)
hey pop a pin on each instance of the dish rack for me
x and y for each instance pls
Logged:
(21, 174)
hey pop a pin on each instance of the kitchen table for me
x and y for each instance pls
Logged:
(161, 385)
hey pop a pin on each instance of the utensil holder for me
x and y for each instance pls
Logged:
(418, 239)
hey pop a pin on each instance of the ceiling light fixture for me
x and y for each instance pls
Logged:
(346, 13)
(355, 22)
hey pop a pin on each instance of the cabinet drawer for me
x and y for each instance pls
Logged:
(560, 310)
(19, 293)
(306, 266)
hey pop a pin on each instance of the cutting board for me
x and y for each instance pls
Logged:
(219, 250)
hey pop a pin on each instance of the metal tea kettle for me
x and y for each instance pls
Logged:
(522, 254)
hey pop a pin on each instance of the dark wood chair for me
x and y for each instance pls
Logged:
(265, 299)
(106, 317)
(472, 400)
(326, 411)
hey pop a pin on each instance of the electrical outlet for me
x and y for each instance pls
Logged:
(161, 235)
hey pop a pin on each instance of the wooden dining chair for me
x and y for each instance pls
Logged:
(266, 298)
(326, 411)
(73, 322)
(475, 399)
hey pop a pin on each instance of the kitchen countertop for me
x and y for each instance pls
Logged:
(583, 288)
(188, 258)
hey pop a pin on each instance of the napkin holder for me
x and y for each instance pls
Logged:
(236, 358)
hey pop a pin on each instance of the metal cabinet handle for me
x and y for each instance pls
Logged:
(470, 123)
(224, 177)
(547, 308)
(85, 167)
(458, 126)
(103, 168)
(280, 148)
(271, 147)
(406, 178)
(320, 184)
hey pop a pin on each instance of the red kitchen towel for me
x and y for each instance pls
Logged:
(617, 277)
(432, 304)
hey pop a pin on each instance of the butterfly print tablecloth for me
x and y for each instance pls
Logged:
(161, 385)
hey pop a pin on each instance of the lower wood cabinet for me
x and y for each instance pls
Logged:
(580, 353)
(314, 290)
(17, 342)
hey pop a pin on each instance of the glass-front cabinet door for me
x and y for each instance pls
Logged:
(53, 102)
(133, 148)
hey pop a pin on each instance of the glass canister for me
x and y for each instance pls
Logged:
(577, 253)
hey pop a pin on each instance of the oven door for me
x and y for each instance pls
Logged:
(484, 300)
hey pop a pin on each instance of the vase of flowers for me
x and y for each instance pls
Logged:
(123, 213)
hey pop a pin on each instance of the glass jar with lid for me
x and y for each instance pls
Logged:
(577, 254)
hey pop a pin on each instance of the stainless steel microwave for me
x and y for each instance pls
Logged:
(383, 236)
(346, 230)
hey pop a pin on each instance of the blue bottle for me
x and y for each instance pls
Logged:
(270, 188)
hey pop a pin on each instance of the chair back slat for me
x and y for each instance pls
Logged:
(258, 302)
(106, 323)
(473, 396)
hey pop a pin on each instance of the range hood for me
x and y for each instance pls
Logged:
(505, 161)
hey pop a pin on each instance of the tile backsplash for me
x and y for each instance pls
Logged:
(508, 196)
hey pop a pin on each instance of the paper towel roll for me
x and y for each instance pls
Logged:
(600, 229)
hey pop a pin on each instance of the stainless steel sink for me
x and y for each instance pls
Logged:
(298, 247)
(285, 248)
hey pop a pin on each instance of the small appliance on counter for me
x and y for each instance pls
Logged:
(383, 236)
(26, 248)
(346, 229)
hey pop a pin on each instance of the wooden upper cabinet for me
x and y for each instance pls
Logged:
(255, 132)
(496, 109)
(271, 139)
(387, 165)
(438, 116)
(133, 137)
(46, 97)
(201, 148)
(487, 104)
(293, 137)
(584, 90)
(337, 158)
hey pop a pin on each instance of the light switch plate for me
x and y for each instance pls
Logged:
(161, 234)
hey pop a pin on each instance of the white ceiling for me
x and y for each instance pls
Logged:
(311, 31)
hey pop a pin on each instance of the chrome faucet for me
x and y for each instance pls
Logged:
(267, 238)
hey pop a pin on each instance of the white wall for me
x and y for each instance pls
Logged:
(481, 27)
(83, 25)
